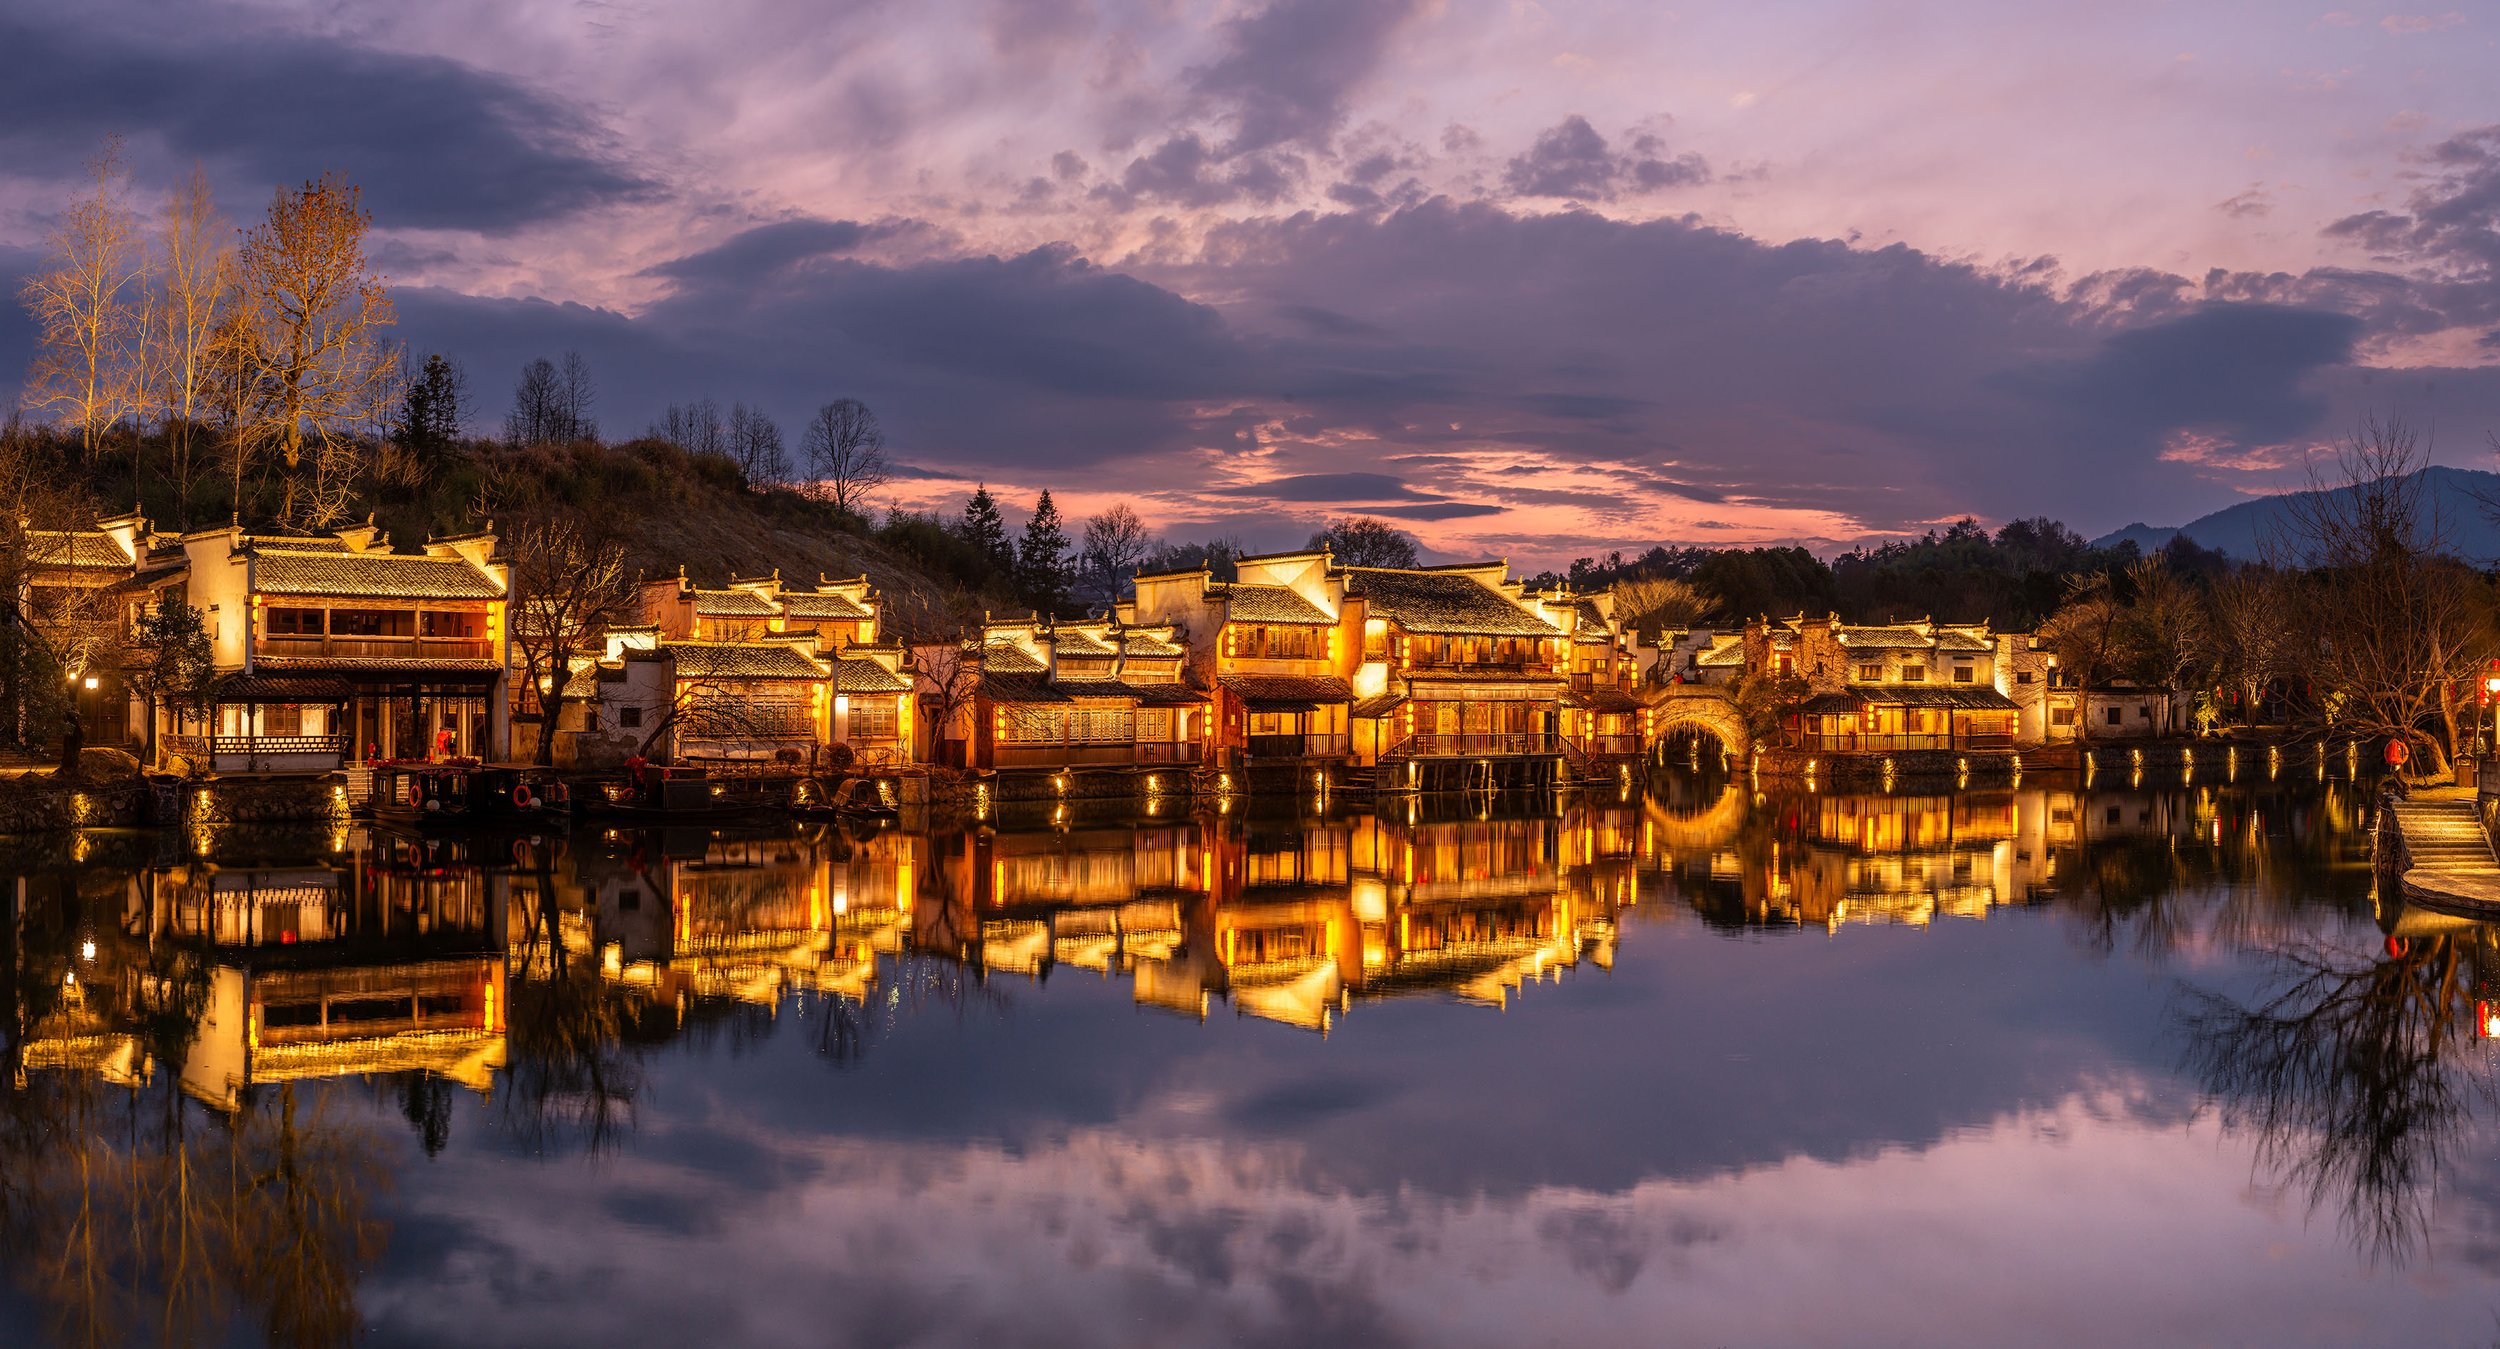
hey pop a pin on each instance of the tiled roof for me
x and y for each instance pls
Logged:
(1442, 602)
(733, 604)
(1605, 700)
(822, 604)
(1885, 638)
(1076, 642)
(294, 543)
(742, 660)
(1272, 604)
(1962, 641)
(1966, 697)
(1731, 654)
(80, 548)
(1010, 659)
(1019, 688)
(867, 676)
(1253, 688)
(1140, 644)
(1152, 694)
(1379, 705)
(282, 689)
(1166, 695)
(371, 576)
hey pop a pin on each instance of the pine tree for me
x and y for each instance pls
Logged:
(1042, 561)
(430, 411)
(986, 531)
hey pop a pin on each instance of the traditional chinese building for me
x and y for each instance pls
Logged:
(779, 699)
(338, 648)
(75, 589)
(1049, 696)
(1272, 648)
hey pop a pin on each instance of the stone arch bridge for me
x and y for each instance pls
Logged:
(1700, 707)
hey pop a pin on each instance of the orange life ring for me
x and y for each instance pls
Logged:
(416, 792)
(521, 794)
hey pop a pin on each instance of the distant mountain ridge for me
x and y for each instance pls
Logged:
(2458, 494)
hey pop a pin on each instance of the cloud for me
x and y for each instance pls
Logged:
(757, 253)
(2241, 370)
(1287, 70)
(1587, 375)
(433, 142)
(2422, 23)
(1572, 160)
(2256, 201)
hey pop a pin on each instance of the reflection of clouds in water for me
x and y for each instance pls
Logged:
(1100, 1238)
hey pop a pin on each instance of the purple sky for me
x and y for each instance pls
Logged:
(1535, 279)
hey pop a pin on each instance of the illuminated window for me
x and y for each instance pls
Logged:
(1964, 672)
(1872, 672)
(1913, 674)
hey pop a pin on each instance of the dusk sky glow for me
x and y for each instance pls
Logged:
(1534, 280)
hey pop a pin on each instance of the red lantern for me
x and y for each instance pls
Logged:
(2396, 753)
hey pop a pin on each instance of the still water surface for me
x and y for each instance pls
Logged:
(1702, 1067)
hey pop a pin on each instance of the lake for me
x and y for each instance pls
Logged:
(1713, 1064)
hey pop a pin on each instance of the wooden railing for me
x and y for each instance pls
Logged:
(1072, 754)
(196, 746)
(1296, 746)
(1871, 742)
(378, 648)
(1478, 744)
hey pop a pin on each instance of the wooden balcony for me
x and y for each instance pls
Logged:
(377, 648)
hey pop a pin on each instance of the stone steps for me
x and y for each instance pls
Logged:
(2445, 836)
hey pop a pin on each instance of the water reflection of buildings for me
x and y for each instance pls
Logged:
(1824, 859)
(378, 959)
(706, 914)
(1291, 920)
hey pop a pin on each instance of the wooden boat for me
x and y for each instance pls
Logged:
(469, 795)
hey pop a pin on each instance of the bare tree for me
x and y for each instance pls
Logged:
(755, 442)
(714, 709)
(945, 676)
(2087, 634)
(570, 584)
(2165, 630)
(85, 302)
(1115, 542)
(577, 397)
(196, 296)
(1361, 541)
(693, 427)
(2412, 624)
(320, 368)
(537, 406)
(846, 454)
(2255, 611)
(1652, 603)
